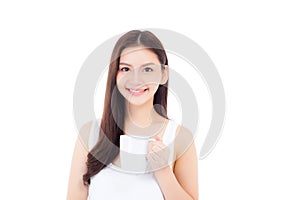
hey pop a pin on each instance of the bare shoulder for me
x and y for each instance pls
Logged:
(183, 141)
(84, 133)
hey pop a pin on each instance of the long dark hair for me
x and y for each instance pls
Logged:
(112, 121)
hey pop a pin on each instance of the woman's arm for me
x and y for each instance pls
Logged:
(183, 182)
(76, 189)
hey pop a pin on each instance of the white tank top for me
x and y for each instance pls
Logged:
(111, 183)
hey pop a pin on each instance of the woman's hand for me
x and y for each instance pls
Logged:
(158, 154)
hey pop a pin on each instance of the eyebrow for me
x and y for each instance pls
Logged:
(143, 65)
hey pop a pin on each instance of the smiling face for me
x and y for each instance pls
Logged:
(139, 75)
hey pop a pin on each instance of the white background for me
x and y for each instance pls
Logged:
(255, 46)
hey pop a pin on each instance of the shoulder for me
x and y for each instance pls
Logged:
(84, 133)
(184, 140)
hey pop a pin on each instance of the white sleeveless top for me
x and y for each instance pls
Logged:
(111, 183)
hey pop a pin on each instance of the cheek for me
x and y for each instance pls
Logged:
(120, 79)
(154, 78)
(153, 88)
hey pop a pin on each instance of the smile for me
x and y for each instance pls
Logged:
(137, 92)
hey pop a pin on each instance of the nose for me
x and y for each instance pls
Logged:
(136, 77)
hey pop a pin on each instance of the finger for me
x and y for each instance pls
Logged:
(153, 157)
(156, 149)
(161, 145)
(151, 142)
(158, 138)
(150, 145)
(159, 148)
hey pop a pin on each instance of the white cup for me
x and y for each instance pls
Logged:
(133, 152)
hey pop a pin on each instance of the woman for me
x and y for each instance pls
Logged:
(135, 106)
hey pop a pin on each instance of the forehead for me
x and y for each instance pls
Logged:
(138, 55)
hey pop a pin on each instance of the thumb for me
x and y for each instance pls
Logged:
(158, 138)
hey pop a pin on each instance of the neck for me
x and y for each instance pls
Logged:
(140, 115)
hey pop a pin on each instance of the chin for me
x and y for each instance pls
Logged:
(137, 103)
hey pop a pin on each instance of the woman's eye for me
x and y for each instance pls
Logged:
(148, 69)
(124, 69)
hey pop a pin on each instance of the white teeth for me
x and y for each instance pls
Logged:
(135, 90)
(141, 90)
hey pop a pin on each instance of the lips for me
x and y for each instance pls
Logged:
(137, 92)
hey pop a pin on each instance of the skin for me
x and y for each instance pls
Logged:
(139, 70)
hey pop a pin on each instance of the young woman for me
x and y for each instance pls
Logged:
(135, 106)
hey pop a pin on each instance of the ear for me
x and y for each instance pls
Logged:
(165, 75)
